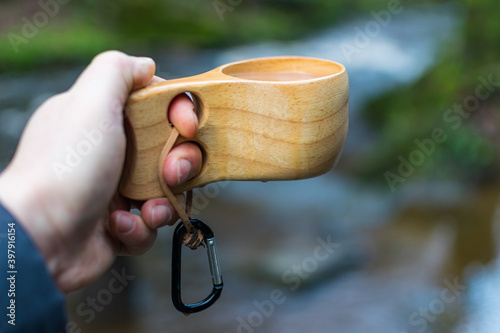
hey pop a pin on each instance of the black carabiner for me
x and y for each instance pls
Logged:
(209, 240)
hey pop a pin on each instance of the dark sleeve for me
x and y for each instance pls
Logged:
(29, 298)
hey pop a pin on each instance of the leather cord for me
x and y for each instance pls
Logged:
(193, 237)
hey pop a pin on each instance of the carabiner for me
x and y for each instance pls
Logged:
(209, 240)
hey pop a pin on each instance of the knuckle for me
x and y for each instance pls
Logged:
(112, 56)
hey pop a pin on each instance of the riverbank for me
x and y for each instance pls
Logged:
(394, 254)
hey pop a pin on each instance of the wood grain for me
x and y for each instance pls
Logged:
(249, 129)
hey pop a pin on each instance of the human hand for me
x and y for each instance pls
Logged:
(61, 185)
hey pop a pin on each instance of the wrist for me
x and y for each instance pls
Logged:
(22, 203)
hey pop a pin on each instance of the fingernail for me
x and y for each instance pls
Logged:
(125, 223)
(160, 215)
(147, 61)
(148, 64)
(183, 170)
(195, 117)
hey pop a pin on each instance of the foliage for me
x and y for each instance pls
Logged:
(82, 29)
(412, 113)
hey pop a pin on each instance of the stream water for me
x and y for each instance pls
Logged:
(329, 254)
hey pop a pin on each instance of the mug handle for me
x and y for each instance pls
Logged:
(147, 128)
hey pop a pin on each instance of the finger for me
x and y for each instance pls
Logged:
(157, 213)
(133, 234)
(182, 115)
(183, 162)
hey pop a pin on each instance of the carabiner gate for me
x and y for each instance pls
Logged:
(209, 240)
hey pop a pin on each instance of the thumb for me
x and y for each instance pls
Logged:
(90, 115)
(113, 75)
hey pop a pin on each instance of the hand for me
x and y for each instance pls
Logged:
(61, 185)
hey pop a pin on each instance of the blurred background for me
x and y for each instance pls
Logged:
(411, 213)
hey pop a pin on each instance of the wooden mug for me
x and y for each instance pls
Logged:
(277, 118)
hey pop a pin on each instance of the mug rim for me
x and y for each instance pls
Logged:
(321, 68)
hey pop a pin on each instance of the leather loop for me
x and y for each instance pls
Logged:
(194, 238)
